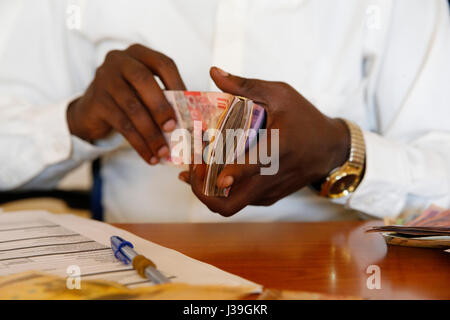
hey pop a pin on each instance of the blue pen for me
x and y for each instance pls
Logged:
(123, 251)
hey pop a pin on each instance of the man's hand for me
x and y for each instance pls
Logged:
(126, 97)
(310, 146)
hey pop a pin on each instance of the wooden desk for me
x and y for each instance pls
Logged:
(327, 257)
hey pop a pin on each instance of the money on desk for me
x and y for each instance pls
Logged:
(430, 229)
(216, 113)
(33, 285)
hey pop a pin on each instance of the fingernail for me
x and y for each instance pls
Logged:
(222, 73)
(226, 182)
(154, 160)
(169, 125)
(163, 152)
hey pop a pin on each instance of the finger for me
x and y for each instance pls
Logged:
(256, 90)
(184, 176)
(163, 66)
(238, 198)
(270, 198)
(143, 81)
(196, 178)
(253, 164)
(265, 202)
(234, 173)
(277, 188)
(117, 119)
(131, 105)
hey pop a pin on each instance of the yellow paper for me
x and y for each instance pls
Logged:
(37, 285)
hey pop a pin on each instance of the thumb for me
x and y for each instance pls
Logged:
(234, 173)
(256, 90)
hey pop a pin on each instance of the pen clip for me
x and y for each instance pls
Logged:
(117, 243)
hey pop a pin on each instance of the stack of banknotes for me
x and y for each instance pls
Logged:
(430, 229)
(33, 285)
(216, 116)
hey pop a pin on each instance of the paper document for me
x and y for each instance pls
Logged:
(41, 241)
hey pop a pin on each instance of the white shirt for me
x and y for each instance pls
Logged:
(382, 64)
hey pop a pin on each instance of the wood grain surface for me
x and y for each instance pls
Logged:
(325, 257)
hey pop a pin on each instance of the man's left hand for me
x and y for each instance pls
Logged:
(310, 146)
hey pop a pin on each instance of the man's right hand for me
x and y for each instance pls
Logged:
(126, 97)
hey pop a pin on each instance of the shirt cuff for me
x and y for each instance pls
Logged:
(59, 144)
(40, 138)
(83, 150)
(51, 132)
(382, 191)
(45, 147)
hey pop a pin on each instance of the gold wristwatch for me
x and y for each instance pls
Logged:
(344, 179)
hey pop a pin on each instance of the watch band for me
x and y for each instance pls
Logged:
(357, 145)
(344, 179)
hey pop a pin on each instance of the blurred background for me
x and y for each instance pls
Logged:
(74, 191)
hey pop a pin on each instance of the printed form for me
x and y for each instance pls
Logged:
(41, 241)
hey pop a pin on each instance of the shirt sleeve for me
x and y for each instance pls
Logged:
(408, 157)
(40, 63)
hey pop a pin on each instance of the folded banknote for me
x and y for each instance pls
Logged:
(34, 285)
(434, 221)
(430, 229)
(212, 115)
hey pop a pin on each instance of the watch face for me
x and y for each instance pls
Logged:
(344, 184)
